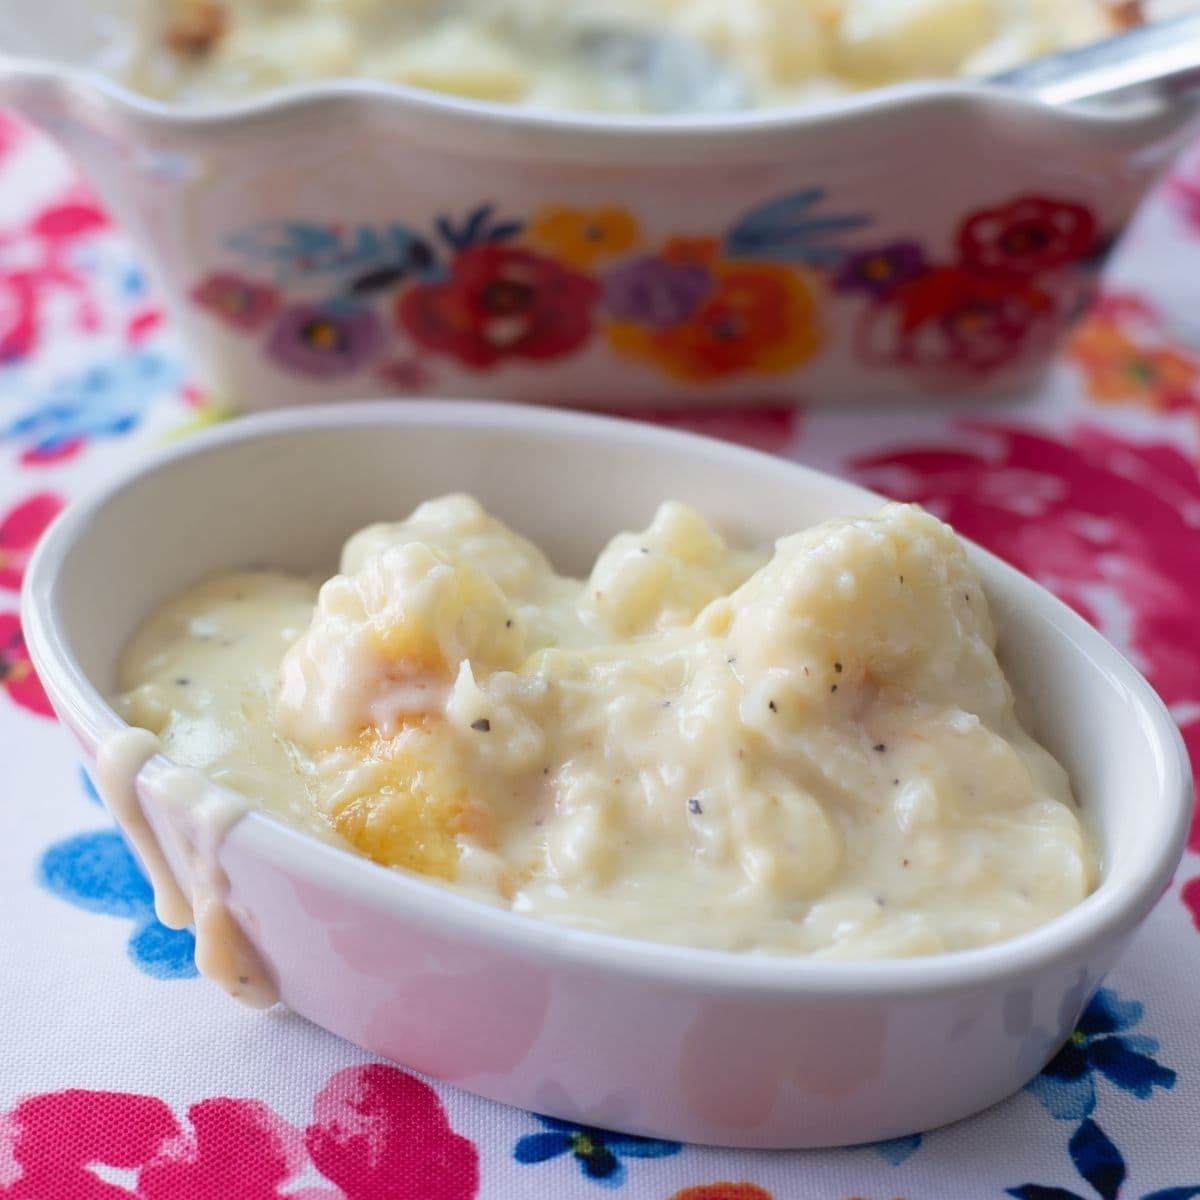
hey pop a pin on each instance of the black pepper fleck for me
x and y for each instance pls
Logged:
(694, 805)
(644, 549)
(880, 747)
(731, 659)
(901, 578)
(183, 681)
(508, 623)
(806, 670)
(666, 704)
(833, 688)
(772, 706)
(837, 667)
(896, 782)
(483, 725)
(967, 597)
(904, 862)
(545, 770)
(243, 979)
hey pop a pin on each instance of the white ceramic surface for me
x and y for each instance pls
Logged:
(698, 1045)
(344, 239)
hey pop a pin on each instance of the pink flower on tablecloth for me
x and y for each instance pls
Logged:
(1191, 898)
(17, 675)
(239, 1148)
(11, 133)
(20, 529)
(41, 270)
(52, 1141)
(381, 1134)
(378, 1134)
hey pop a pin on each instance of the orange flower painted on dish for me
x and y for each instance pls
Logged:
(1119, 369)
(724, 1191)
(581, 237)
(757, 318)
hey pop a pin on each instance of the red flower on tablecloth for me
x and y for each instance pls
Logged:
(1110, 525)
(1032, 234)
(378, 1134)
(20, 529)
(501, 302)
(17, 675)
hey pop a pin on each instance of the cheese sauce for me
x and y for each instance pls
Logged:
(600, 55)
(809, 753)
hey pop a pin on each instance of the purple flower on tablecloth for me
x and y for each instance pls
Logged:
(325, 341)
(240, 302)
(1100, 1046)
(597, 1151)
(655, 292)
(95, 871)
(881, 269)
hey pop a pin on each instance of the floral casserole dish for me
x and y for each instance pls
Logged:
(331, 240)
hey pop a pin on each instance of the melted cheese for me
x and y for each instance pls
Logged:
(601, 55)
(813, 753)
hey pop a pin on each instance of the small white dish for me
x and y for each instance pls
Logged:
(698, 1045)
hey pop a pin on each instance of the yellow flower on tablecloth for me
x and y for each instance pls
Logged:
(581, 237)
(207, 412)
(755, 318)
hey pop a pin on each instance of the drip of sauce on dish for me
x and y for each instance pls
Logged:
(118, 763)
(197, 817)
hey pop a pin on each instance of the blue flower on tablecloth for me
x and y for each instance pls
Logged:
(897, 1150)
(1100, 1046)
(107, 400)
(95, 871)
(1102, 1165)
(597, 1151)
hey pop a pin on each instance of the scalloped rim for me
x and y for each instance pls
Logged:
(884, 101)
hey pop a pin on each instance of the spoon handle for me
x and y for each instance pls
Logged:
(1162, 58)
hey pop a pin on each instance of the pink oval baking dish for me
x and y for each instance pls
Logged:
(342, 240)
(704, 1046)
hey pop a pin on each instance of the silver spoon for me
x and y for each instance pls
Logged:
(1158, 62)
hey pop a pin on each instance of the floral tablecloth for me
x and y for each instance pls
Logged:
(122, 1074)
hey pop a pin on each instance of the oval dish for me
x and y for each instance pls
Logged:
(698, 1045)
